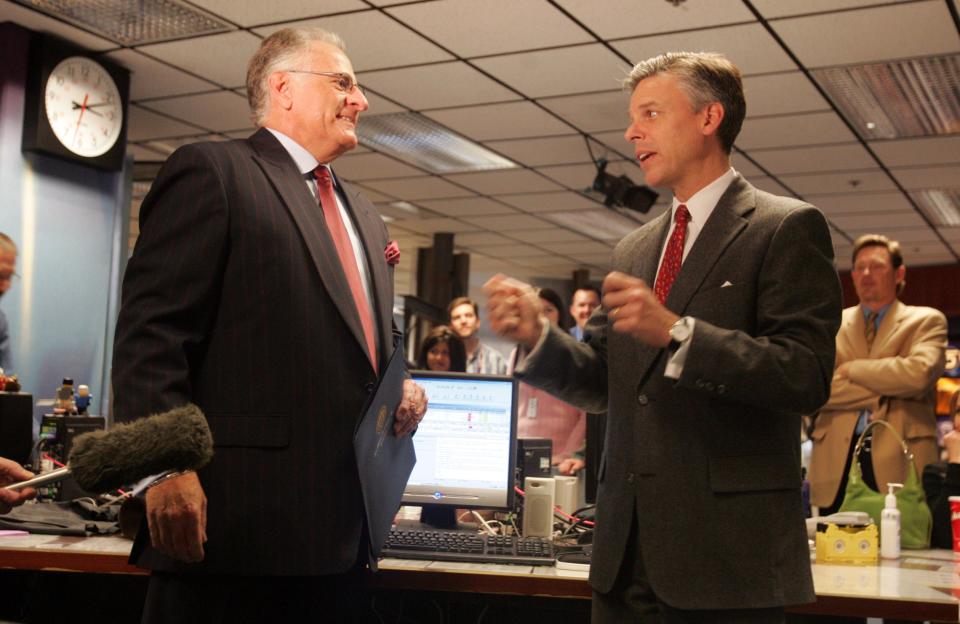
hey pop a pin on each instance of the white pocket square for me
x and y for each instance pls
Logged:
(725, 284)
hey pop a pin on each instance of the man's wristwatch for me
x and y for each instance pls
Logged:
(680, 332)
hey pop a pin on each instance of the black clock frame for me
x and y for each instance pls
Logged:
(45, 53)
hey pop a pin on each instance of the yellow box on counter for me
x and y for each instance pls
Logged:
(857, 544)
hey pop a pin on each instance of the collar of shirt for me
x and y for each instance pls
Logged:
(880, 314)
(304, 160)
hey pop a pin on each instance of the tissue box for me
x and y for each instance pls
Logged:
(857, 544)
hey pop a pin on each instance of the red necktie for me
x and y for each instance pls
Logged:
(673, 257)
(338, 232)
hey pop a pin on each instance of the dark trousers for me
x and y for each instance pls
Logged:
(227, 599)
(632, 600)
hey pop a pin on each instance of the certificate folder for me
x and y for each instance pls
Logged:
(384, 461)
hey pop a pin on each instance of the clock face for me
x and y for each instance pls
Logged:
(83, 106)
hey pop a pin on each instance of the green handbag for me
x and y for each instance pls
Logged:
(916, 521)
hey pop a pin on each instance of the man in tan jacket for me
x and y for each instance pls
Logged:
(889, 356)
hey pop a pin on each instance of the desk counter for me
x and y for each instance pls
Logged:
(922, 585)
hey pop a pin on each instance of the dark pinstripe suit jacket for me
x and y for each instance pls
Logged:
(710, 463)
(234, 299)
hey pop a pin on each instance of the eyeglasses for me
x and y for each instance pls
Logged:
(345, 82)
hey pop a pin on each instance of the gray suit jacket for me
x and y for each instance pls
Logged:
(235, 299)
(710, 463)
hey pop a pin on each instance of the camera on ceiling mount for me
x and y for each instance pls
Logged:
(621, 191)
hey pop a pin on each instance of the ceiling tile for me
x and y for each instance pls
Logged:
(417, 188)
(558, 71)
(613, 140)
(545, 151)
(904, 235)
(222, 110)
(500, 121)
(373, 195)
(744, 167)
(145, 125)
(789, 131)
(404, 212)
(253, 13)
(549, 202)
(923, 151)
(380, 105)
(150, 78)
(585, 247)
(439, 224)
(511, 251)
(552, 235)
(391, 46)
(39, 22)
(548, 261)
(812, 185)
(749, 46)
(874, 220)
(846, 157)
(219, 58)
(241, 134)
(602, 259)
(779, 8)
(613, 19)
(580, 177)
(927, 177)
(593, 111)
(508, 224)
(145, 153)
(862, 203)
(168, 146)
(768, 184)
(471, 28)
(778, 94)
(429, 86)
(481, 238)
(499, 182)
(372, 166)
(466, 207)
(871, 34)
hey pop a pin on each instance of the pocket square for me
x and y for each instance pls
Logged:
(726, 283)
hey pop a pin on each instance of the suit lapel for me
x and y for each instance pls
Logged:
(289, 183)
(856, 334)
(722, 227)
(888, 326)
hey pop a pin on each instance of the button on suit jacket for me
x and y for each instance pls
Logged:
(235, 299)
(710, 462)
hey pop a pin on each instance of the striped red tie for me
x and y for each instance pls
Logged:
(673, 257)
(338, 232)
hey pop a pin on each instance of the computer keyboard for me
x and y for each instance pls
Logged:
(468, 546)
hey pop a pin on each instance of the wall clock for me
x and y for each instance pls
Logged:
(75, 106)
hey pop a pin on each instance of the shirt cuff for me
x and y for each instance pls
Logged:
(675, 364)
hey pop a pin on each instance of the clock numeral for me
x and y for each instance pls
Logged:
(84, 71)
(60, 80)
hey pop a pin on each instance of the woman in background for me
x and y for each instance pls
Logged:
(442, 350)
(542, 415)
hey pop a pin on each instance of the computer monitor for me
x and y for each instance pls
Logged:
(466, 445)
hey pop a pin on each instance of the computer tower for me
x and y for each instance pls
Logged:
(16, 426)
(533, 458)
(57, 432)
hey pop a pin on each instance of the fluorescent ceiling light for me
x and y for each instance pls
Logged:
(132, 22)
(600, 223)
(911, 98)
(942, 206)
(413, 138)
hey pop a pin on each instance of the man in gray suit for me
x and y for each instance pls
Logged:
(715, 335)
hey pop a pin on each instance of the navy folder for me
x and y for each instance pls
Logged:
(384, 461)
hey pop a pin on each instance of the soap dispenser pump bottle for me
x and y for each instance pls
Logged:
(890, 524)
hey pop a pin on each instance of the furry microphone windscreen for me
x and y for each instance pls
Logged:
(178, 439)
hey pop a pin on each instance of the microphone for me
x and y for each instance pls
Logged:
(178, 439)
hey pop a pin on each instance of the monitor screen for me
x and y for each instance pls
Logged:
(466, 442)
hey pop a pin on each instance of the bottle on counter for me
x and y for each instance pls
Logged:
(890, 524)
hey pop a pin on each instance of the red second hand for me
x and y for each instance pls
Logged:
(83, 107)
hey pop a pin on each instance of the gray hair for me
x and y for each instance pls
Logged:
(283, 48)
(705, 77)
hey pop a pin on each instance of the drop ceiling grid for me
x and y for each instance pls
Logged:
(791, 134)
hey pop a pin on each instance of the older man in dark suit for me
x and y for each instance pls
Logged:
(261, 289)
(716, 334)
